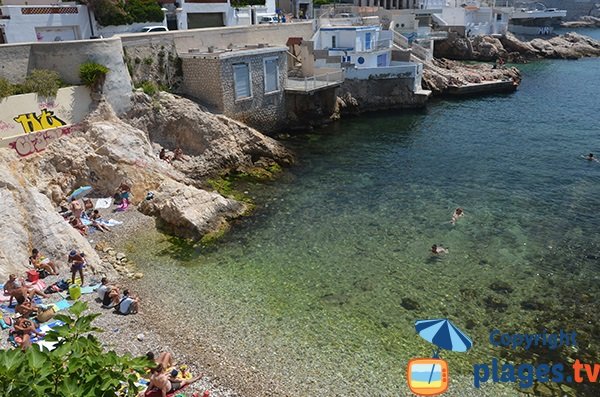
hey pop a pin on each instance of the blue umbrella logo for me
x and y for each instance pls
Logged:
(444, 335)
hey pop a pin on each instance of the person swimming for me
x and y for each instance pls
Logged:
(590, 157)
(438, 250)
(457, 214)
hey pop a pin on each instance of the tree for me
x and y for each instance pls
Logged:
(77, 367)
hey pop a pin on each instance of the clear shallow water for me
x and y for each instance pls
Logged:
(322, 285)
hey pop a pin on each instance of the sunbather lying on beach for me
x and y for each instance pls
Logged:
(95, 218)
(23, 329)
(41, 262)
(16, 288)
(159, 380)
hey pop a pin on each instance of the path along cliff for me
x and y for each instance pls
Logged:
(107, 151)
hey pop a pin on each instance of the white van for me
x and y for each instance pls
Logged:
(269, 19)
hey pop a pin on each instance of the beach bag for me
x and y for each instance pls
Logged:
(75, 291)
(43, 273)
(32, 276)
(45, 315)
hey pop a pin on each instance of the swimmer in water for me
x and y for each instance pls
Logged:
(438, 250)
(457, 214)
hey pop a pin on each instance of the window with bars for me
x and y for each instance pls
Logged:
(271, 75)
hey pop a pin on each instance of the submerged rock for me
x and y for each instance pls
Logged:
(495, 303)
(410, 304)
(501, 287)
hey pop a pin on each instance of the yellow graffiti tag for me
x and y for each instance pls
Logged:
(30, 122)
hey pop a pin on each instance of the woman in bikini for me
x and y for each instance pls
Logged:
(160, 380)
(23, 330)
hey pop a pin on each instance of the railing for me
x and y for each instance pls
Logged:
(400, 40)
(315, 82)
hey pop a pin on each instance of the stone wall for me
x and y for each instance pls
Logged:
(379, 94)
(265, 112)
(65, 57)
(203, 81)
(314, 110)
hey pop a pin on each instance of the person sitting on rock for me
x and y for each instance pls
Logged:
(128, 304)
(40, 262)
(23, 329)
(77, 262)
(26, 307)
(438, 250)
(88, 206)
(163, 156)
(95, 217)
(178, 154)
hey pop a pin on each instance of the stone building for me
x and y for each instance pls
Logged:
(246, 84)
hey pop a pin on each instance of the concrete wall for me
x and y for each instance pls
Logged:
(224, 37)
(379, 94)
(28, 122)
(70, 106)
(65, 58)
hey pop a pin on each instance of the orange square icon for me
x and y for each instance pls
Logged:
(427, 376)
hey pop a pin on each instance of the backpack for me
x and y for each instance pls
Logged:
(43, 273)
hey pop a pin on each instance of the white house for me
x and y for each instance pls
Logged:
(195, 14)
(475, 17)
(363, 51)
(21, 23)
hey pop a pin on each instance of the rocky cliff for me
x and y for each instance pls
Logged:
(508, 47)
(109, 151)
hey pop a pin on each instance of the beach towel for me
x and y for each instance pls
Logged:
(89, 289)
(61, 305)
(110, 222)
(86, 222)
(103, 203)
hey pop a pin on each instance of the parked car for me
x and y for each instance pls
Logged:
(152, 29)
(269, 19)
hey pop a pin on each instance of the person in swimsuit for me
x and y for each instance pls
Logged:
(16, 288)
(26, 307)
(95, 217)
(159, 380)
(40, 262)
(76, 208)
(23, 330)
(77, 264)
(457, 214)
(165, 359)
(438, 250)
(108, 294)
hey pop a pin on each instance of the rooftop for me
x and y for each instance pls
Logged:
(224, 53)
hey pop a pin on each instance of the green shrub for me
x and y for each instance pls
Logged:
(45, 82)
(92, 74)
(109, 13)
(144, 11)
(6, 88)
(77, 366)
(148, 61)
(148, 87)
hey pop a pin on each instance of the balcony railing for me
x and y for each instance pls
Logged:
(313, 83)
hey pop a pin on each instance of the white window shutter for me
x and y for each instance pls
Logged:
(271, 78)
(241, 75)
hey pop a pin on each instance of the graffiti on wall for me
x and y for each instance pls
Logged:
(31, 122)
(28, 144)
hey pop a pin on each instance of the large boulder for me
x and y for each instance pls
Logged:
(190, 212)
(454, 47)
(512, 44)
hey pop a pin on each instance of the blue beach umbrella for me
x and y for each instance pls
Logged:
(80, 192)
(445, 335)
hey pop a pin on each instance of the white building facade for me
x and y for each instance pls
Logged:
(43, 23)
(194, 14)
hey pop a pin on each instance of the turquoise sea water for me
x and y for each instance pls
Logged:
(322, 284)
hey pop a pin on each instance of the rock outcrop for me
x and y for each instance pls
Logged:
(586, 21)
(107, 152)
(440, 75)
(510, 48)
